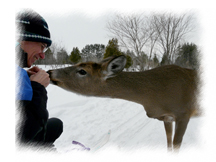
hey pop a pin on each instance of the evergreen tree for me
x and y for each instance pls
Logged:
(129, 62)
(112, 49)
(129, 54)
(75, 56)
(188, 56)
(165, 60)
(85, 52)
(99, 50)
(93, 52)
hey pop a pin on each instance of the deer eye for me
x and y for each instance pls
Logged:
(82, 72)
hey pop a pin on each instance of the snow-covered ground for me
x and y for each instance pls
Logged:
(88, 119)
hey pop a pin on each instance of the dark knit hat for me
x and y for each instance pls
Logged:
(32, 27)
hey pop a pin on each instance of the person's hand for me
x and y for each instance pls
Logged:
(33, 70)
(41, 77)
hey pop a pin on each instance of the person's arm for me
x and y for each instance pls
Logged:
(36, 114)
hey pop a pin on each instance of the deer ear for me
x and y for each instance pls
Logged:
(115, 66)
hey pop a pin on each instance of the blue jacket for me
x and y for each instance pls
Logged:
(23, 85)
(24, 89)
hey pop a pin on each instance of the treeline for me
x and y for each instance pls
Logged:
(147, 41)
(187, 55)
(58, 56)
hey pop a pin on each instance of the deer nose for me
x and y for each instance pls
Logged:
(50, 72)
(52, 80)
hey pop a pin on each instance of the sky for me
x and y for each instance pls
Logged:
(77, 29)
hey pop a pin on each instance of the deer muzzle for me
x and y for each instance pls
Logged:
(52, 80)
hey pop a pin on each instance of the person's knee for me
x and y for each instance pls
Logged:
(56, 123)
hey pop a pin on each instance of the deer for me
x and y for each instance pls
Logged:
(167, 93)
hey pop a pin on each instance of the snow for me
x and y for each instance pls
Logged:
(88, 119)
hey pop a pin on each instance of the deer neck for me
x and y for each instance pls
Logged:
(123, 86)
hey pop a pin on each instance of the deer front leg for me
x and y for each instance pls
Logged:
(180, 128)
(168, 129)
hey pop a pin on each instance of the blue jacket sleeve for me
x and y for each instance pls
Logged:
(23, 87)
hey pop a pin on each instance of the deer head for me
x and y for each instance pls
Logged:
(87, 78)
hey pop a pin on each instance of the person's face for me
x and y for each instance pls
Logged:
(34, 51)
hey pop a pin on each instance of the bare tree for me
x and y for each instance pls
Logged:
(132, 33)
(152, 43)
(59, 53)
(171, 30)
(157, 33)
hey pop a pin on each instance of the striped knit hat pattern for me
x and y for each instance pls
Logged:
(32, 27)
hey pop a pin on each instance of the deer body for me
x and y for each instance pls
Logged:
(167, 93)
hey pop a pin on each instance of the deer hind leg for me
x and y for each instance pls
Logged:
(169, 129)
(180, 128)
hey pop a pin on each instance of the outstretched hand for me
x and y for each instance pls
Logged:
(39, 75)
